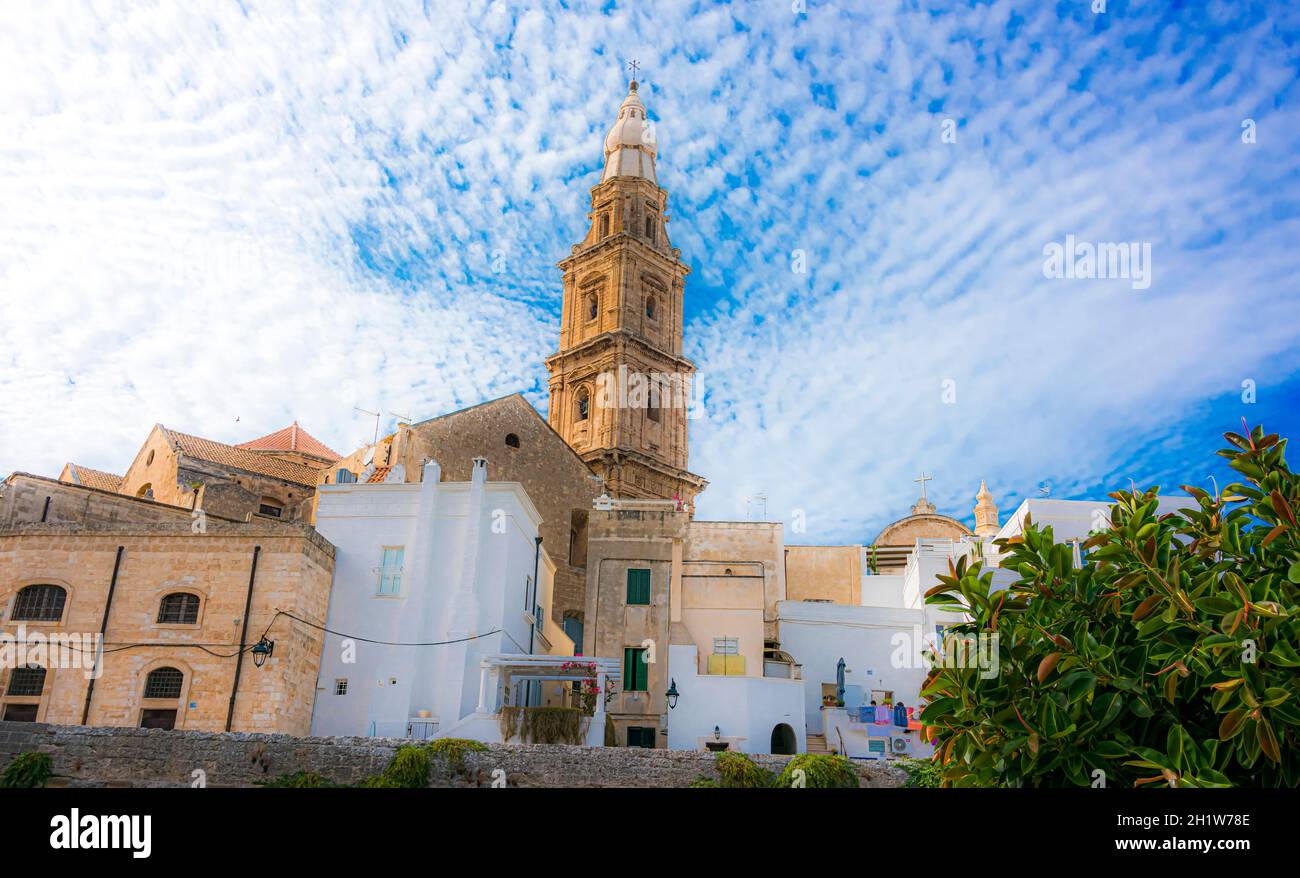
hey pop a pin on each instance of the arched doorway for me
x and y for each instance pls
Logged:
(784, 742)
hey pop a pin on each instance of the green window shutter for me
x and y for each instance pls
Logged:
(641, 736)
(636, 673)
(638, 586)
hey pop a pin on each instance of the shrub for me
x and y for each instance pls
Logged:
(819, 771)
(454, 750)
(542, 725)
(702, 782)
(921, 772)
(408, 769)
(27, 771)
(739, 771)
(1168, 658)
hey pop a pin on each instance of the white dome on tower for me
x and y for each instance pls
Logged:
(630, 147)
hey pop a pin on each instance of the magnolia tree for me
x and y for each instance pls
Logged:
(1169, 657)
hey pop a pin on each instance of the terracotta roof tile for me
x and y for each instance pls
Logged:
(380, 473)
(93, 478)
(241, 458)
(291, 438)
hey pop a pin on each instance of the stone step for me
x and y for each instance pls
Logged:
(817, 744)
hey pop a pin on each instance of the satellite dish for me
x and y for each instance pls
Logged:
(370, 455)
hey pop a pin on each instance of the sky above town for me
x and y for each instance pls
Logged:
(223, 217)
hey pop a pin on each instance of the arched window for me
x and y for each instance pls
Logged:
(163, 683)
(650, 228)
(344, 477)
(604, 225)
(146, 491)
(179, 608)
(270, 506)
(593, 307)
(28, 681)
(650, 307)
(40, 603)
(584, 404)
(149, 460)
(512, 441)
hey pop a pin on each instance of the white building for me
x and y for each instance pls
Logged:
(881, 641)
(455, 566)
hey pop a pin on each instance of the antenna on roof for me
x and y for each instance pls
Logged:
(406, 419)
(375, 415)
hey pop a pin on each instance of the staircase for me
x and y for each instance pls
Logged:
(817, 744)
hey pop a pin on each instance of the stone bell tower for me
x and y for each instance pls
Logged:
(620, 387)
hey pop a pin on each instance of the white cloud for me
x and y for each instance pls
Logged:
(207, 214)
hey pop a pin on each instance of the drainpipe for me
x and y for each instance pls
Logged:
(243, 639)
(537, 558)
(103, 628)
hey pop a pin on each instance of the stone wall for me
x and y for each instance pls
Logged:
(85, 756)
(161, 555)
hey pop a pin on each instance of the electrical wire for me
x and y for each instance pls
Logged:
(267, 630)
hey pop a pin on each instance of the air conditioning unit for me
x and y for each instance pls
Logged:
(900, 746)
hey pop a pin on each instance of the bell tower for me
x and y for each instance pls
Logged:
(619, 385)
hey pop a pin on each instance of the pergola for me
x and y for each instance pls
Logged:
(506, 668)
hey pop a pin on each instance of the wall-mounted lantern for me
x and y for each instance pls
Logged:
(262, 650)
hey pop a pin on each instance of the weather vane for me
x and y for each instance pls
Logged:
(633, 66)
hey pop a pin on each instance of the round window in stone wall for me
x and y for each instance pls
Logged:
(512, 441)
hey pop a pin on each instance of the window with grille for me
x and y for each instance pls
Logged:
(179, 609)
(40, 603)
(638, 587)
(341, 686)
(26, 681)
(163, 683)
(726, 646)
(390, 571)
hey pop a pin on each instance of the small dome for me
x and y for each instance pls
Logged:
(630, 147)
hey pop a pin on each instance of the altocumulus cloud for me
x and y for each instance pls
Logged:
(263, 212)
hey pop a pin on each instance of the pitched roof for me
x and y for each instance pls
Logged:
(241, 458)
(292, 438)
(515, 398)
(93, 478)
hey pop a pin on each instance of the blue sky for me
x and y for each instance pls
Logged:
(226, 217)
